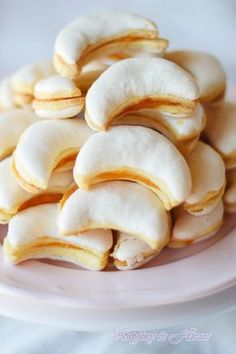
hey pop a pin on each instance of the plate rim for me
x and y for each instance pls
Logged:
(124, 299)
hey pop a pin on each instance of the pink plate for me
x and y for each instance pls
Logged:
(57, 293)
(176, 286)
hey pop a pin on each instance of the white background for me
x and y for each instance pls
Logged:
(28, 28)
(27, 32)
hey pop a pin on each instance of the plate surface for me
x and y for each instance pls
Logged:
(153, 296)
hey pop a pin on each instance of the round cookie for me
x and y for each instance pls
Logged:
(57, 97)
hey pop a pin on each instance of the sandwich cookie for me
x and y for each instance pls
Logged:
(135, 84)
(33, 234)
(189, 228)
(46, 146)
(220, 131)
(57, 97)
(122, 206)
(6, 95)
(13, 198)
(206, 70)
(230, 193)
(13, 122)
(131, 253)
(183, 132)
(91, 37)
(136, 154)
(24, 80)
(208, 179)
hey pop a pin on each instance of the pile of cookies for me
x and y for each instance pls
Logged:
(115, 150)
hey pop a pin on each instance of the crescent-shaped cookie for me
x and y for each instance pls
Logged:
(13, 198)
(13, 122)
(183, 132)
(100, 35)
(206, 70)
(131, 253)
(57, 97)
(220, 131)
(230, 193)
(46, 146)
(136, 84)
(6, 94)
(33, 234)
(123, 206)
(189, 228)
(208, 179)
(136, 154)
(24, 80)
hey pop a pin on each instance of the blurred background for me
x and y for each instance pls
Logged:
(28, 28)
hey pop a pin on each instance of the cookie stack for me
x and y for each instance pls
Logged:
(117, 151)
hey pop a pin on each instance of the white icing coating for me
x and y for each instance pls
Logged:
(208, 172)
(29, 74)
(134, 78)
(6, 94)
(60, 113)
(41, 146)
(40, 221)
(87, 30)
(57, 97)
(12, 196)
(205, 68)
(58, 86)
(12, 124)
(181, 126)
(188, 227)
(124, 206)
(98, 239)
(139, 150)
(230, 194)
(221, 127)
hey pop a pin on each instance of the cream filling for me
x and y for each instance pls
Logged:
(125, 173)
(162, 103)
(208, 201)
(48, 247)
